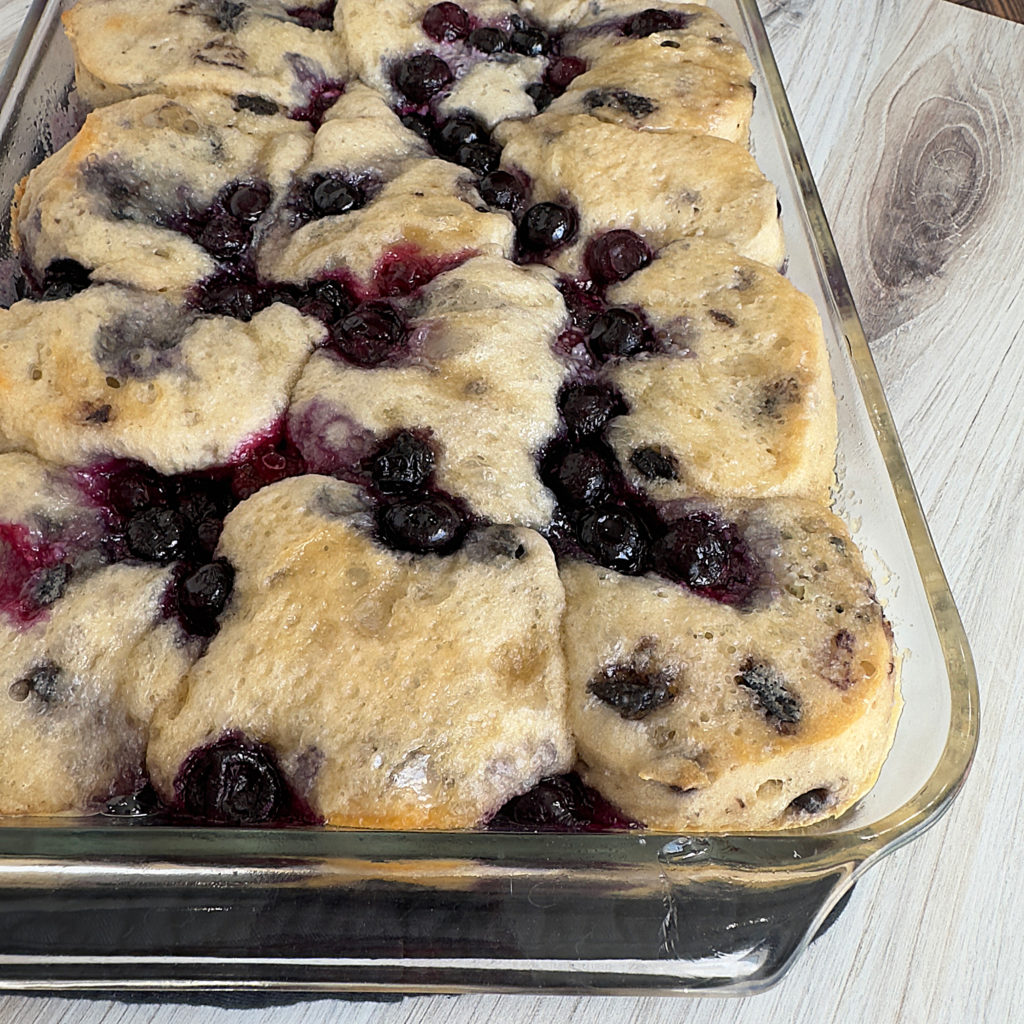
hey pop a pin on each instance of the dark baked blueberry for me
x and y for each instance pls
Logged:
(615, 255)
(460, 129)
(369, 335)
(225, 13)
(46, 586)
(614, 537)
(619, 99)
(547, 226)
(420, 77)
(431, 525)
(248, 201)
(654, 463)
(541, 94)
(401, 463)
(814, 801)
(234, 781)
(256, 104)
(316, 19)
(322, 96)
(223, 236)
(529, 41)
(709, 556)
(721, 318)
(64, 278)
(232, 294)
(444, 23)
(563, 70)
(488, 40)
(586, 408)
(562, 803)
(617, 334)
(157, 535)
(331, 195)
(203, 594)
(134, 488)
(652, 20)
(422, 125)
(139, 804)
(634, 693)
(502, 190)
(579, 476)
(770, 694)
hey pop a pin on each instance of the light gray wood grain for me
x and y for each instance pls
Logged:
(911, 111)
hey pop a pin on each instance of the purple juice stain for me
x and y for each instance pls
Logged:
(33, 573)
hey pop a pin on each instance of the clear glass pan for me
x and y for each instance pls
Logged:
(112, 904)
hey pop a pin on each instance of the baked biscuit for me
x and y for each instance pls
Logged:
(736, 400)
(113, 373)
(266, 54)
(393, 690)
(86, 653)
(679, 185)
(157, 192)
(476, 387)
(693, 713)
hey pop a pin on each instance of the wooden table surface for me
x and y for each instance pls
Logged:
(913, 116)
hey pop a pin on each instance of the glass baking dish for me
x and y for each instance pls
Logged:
(105, 903)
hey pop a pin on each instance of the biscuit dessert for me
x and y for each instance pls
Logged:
(433, 438)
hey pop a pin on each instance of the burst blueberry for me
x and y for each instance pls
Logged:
(401, 463)
(586, 408)
(488, 40)
(617, 334)
(157, 535)
(579, 476)
(446, 22)
(370, 335)
(203, 594)
(614, 537)
(430, 525)
(420, 77)
(616, 255)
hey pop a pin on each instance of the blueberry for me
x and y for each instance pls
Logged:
(615, 537)
(248, 201)
(615, 255)
(401, 463)
(224, 294)
(814, 801)
(234, 781)
(223, 236)
(316, 19)
(135, 489)
(634, 693)
(139, 804)
(502, 191)
(157, 535)
(203, 594)
(617, 334)
(586, 408)
(64, 278)
(648, 22)
(563, 70)
(332, 299)
(431, 525)
(332, 196)
(420, 77)
(529, 41)
(488, 40)
(654, 463)
(459, 130)
(369, 335)
(709, 556)
(420, 124)
(256, 104)
(46, 586)
(445, 23)
(558, 801)
(619, 99)
(541, 94)
(770, 694)
(580, 476)
(547, 226)
(479, 157)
